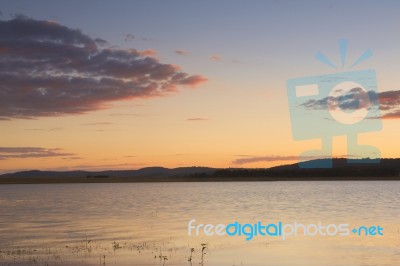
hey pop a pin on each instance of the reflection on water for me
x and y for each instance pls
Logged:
(146, 223)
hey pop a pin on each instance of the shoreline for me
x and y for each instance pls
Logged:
(73, 180)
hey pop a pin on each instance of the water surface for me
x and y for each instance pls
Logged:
(146, 223)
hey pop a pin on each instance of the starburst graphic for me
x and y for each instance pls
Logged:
(343, 44)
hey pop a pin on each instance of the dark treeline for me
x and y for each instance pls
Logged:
(343, 172)
(341, 168)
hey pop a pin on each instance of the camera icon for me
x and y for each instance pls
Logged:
(335, 105)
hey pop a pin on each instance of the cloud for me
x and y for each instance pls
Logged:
(72, 158)
(148, 52)
(276, 158)
(197, 119)
(355, 99)
(97, 123)
(128, 114)
(47, 69)
(31, 152)
(389, 102)
(129, 37)
(100, 42)
(215, 58)
(181, 52)
(388, 115)
(271, 158)
(192, 81)
(43, 129)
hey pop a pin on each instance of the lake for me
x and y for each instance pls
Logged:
(147, 223)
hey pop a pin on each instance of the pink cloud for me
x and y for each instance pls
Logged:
(148, 52)
(215, 58)
(193, 81)
(269, 158)
(391, 115)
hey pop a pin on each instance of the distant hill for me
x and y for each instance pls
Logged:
(387, 169)
(143, 172)
(338, 163)
(341, 169)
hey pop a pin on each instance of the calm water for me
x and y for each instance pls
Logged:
(146, 224)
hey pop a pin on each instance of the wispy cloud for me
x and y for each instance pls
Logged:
(34, 129)
(215, 58)
(197, 119)
(72, 158)
(47, 69)
(269, 158)
(97, 124)
(391, 115)
(44, 129)
(181, 52)
(31, 152)
(128, 114)
(246, 159)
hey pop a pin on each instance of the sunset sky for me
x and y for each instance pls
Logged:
(129, 84)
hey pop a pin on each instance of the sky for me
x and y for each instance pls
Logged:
(129, 84)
